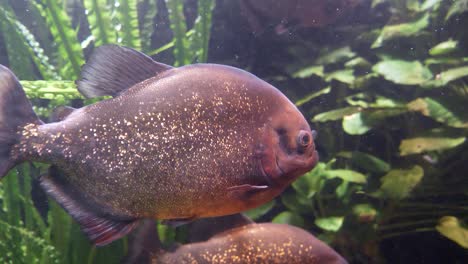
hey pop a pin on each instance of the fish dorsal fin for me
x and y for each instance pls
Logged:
(112, 69)
(206, 228)
(101, 230)
(60, 113)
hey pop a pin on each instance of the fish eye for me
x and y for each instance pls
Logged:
(304, 138)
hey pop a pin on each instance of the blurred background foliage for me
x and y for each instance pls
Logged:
(385, 86)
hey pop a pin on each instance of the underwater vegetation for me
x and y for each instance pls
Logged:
(385, 87)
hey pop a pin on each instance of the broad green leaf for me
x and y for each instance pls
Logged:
(424, 144)
(447, 76)
(309, 71)
(398, 183)
(458, 7)
(258, 212)
(444, 48)
(449, 111)
(403, 72)
(401, 30)
(355, 124)
(344, 76)
(289, 218)
(312, 182)
(313, 95)
(347, 175)
(333, 223)
(360, 123)
(450, 227)
(454, 61)
(335, 56)
(336, 114)
(366, 161)
(297, 203)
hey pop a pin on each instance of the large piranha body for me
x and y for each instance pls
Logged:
(173, 143)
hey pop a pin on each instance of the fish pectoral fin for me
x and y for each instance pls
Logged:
(248, 187)
(178, 222)
(112, 69)
(100, 230)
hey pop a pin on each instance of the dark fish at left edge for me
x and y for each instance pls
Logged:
(177, 144)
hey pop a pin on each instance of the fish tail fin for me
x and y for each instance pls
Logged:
(15, 112)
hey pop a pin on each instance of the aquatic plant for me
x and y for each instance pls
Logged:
(389, 102)
(388, 99)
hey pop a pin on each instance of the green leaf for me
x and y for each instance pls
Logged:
(128, 33)
(448, 110)
(424, 144)
(182, 52)
(335, 56)
(358, 62)
(366, 161)
(289, 218)
(458, 7)
(398, 183)
(356, 124)
(447, 76)
(200, 38)
(258, 212)
(336, 114)
(309, 71)
(401, 30)
(100, 22)
(16, 46)
(450, 227)
(403, 72)
(444, 48)
(347, 175)
(297, 203)
(332, 224)
(312, 182)
(70, 53)
(344, 76)
(313, 95)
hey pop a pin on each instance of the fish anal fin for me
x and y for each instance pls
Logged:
(112, 69)
(99, 229)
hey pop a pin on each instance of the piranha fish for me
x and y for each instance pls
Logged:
(237, 240)
(173, 143)
(299, 13)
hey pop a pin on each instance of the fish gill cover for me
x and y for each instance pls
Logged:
(384, 84)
